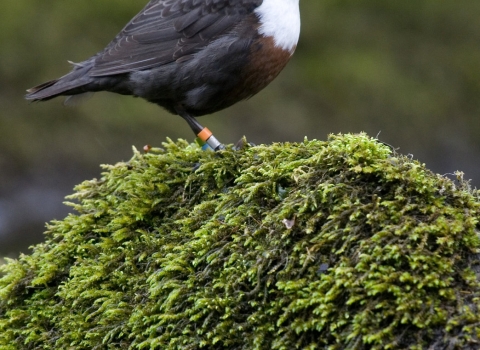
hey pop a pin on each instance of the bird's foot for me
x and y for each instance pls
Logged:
(243, 143)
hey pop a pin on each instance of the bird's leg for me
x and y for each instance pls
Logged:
(201, 132)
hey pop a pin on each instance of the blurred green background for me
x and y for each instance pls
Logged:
(408, 70)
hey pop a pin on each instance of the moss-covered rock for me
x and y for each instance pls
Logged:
(340, 244)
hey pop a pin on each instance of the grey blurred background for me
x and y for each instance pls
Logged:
(409, 69)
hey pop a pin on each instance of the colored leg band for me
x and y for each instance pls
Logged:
(214, 143)
(204, 135)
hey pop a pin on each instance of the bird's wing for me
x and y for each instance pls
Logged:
(168, 30)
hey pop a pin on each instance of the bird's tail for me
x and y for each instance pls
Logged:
(73, 83)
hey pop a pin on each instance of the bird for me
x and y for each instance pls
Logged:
(191, 57)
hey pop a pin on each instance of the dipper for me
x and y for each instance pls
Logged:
(191, 57)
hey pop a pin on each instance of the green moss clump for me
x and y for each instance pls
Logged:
(340, 244)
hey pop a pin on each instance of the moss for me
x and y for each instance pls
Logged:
(341, 244)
